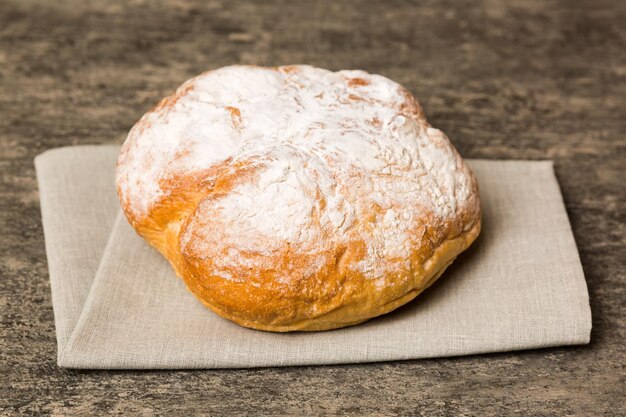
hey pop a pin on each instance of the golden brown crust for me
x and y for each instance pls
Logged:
(364, 298)
(264, 307)
(278, 284)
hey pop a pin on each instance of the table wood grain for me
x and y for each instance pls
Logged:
(516, 79)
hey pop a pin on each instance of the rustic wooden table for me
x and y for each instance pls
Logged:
(525, 79)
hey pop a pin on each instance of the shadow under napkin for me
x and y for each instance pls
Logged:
(520, 286)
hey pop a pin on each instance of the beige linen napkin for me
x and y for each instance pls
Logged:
(118, 304)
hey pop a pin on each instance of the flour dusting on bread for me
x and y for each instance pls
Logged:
(332, 171)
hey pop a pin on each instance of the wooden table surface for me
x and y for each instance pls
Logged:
(518, 79)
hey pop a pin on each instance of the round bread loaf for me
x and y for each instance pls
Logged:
(296, 198)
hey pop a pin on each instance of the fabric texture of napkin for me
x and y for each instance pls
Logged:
(118, 304)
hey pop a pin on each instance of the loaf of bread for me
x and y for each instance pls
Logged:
(297, 198)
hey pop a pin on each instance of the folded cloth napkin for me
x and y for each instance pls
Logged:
(118, 304)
